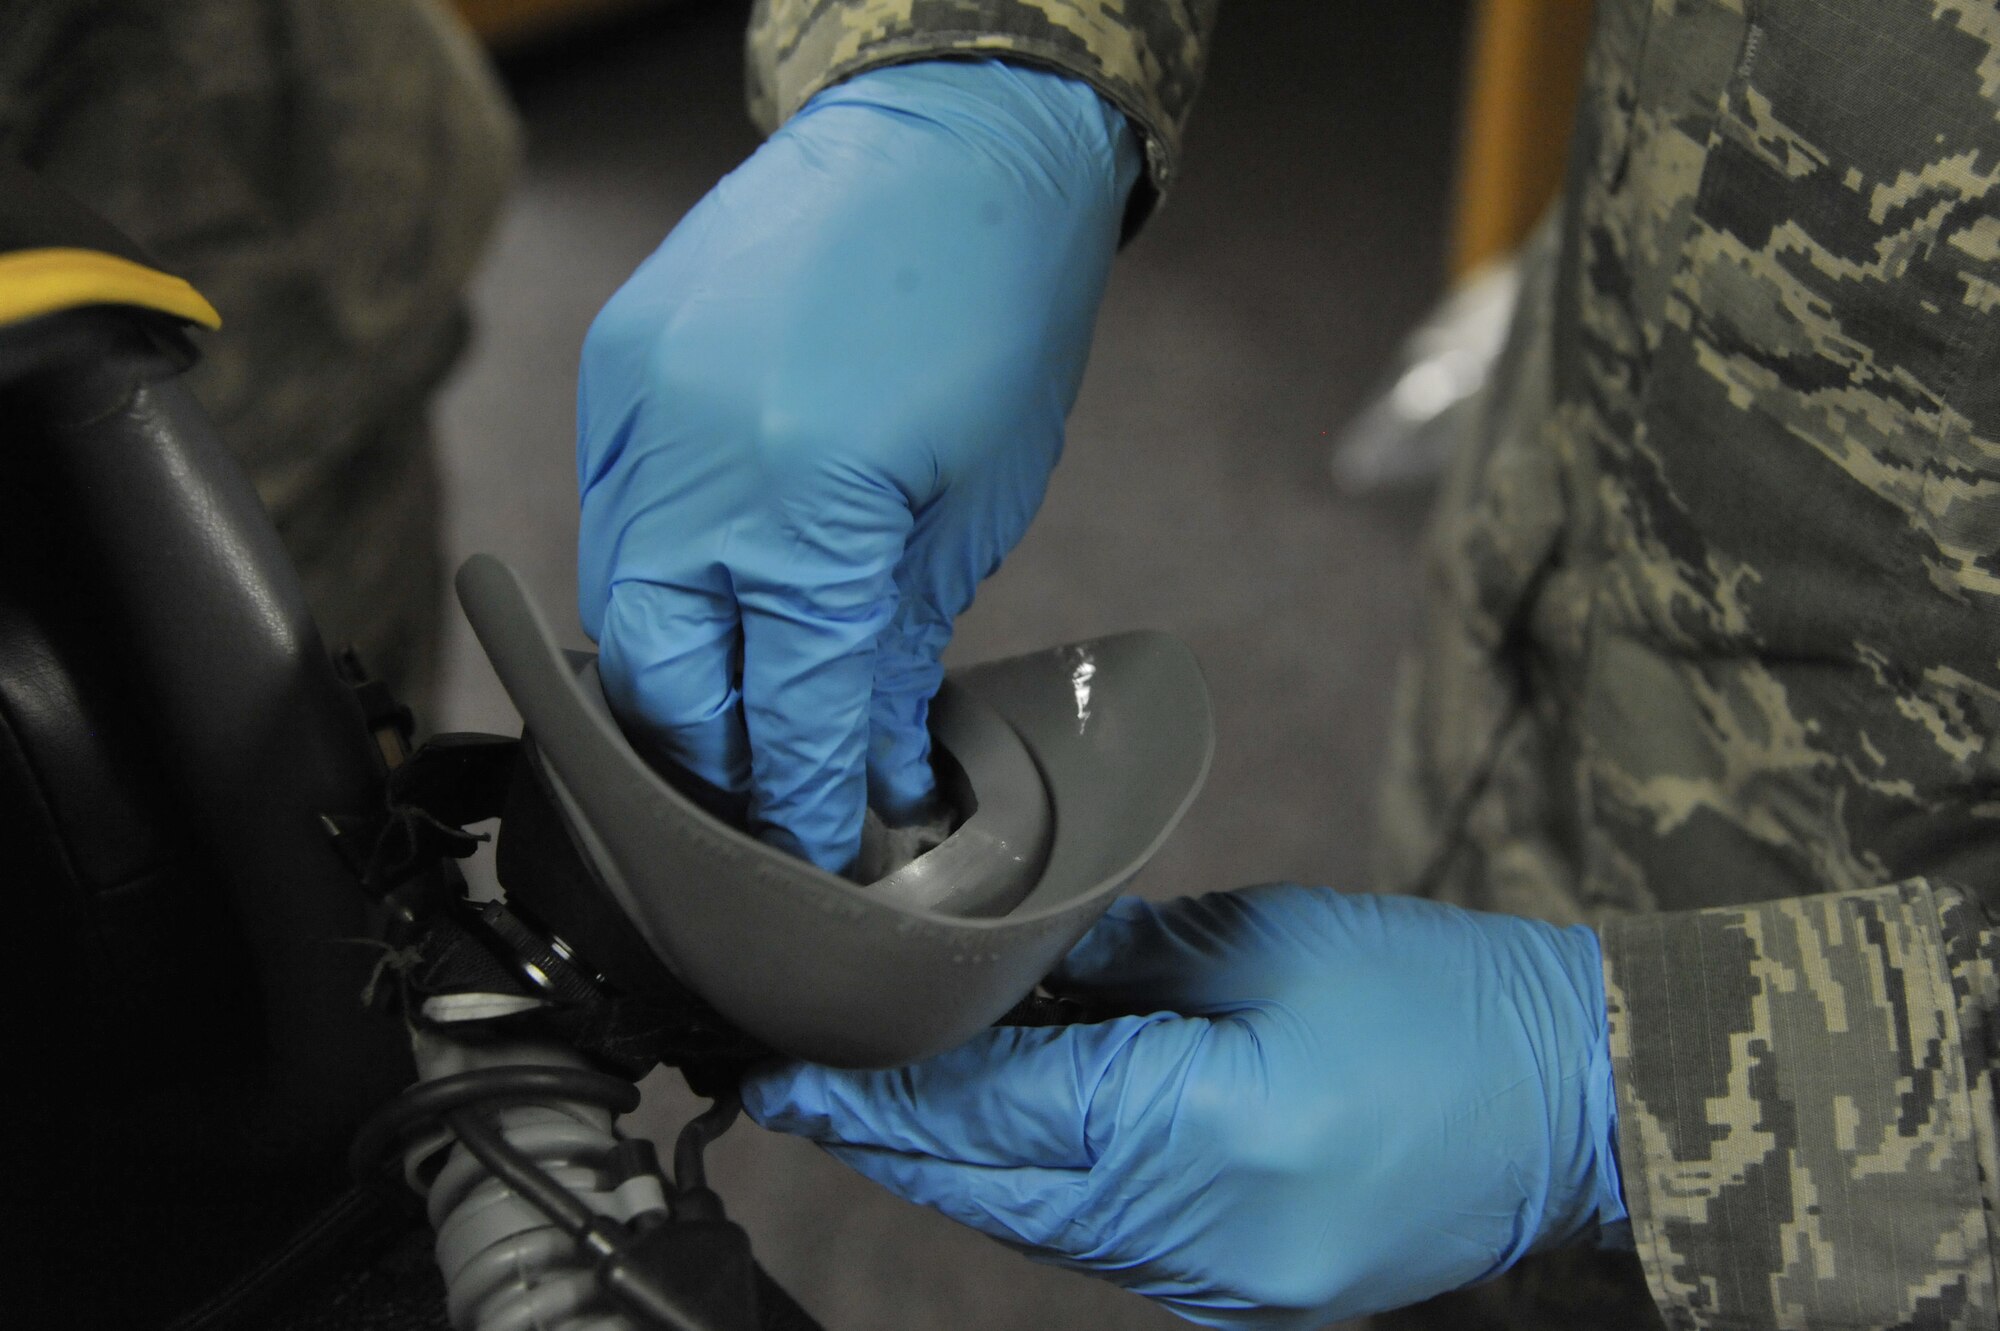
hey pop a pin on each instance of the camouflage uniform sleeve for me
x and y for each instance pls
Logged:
(1806, 1113)
(1145, 56)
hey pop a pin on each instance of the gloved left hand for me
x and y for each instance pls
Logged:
(1336, 1105)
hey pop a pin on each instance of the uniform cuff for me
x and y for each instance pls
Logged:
(1805, 1107)
(1143, 56)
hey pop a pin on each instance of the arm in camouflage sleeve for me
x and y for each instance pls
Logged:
(1144, 56)
(1806, 1113)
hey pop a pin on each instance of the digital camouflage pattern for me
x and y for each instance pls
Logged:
(1715, 631)
(1144, 55)
(325, 172)
(1812, 1095)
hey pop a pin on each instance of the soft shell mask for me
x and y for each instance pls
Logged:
(1070, 766)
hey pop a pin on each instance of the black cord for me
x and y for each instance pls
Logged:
(430, 1100)
(702, 1130)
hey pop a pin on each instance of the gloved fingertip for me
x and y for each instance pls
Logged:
(785, 1097)
(901, 781)
(834, 850)
(665, 665)
(905, 794)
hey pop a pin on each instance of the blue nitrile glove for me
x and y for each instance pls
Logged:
(1368, 1101)
(823, 411)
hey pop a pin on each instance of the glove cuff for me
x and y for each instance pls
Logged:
(1613, 1220)
(1591, 1198)
(1035, 120)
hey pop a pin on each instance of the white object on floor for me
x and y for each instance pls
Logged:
(1404, 436)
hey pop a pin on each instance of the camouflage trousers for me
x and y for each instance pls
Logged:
(325, 172)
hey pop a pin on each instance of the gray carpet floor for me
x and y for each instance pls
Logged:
(1240, 330)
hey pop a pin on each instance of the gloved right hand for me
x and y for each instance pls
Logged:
(1333, 1105)
(822, 412)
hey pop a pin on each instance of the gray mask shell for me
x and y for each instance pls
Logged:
(1072, 765)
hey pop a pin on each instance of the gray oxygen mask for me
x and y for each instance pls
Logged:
(1067, 768)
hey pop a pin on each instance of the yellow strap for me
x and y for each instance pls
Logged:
(38, 282)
